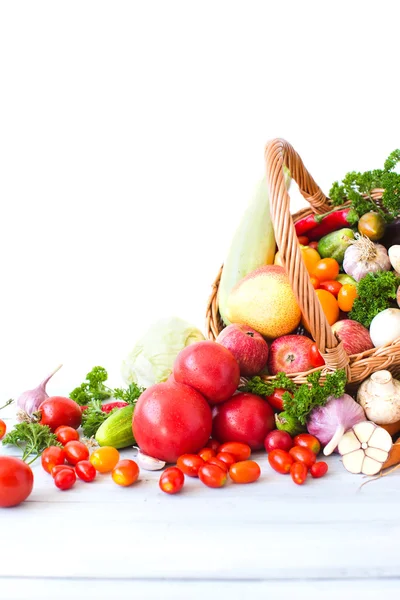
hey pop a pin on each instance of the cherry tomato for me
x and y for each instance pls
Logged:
(329, 305)
(280, 461)
(310, 258)
(3, 429)
(237, 449)
(104, 459)
(16, 481)
(85, 471)
(59, 468)
(212, 476)
(331, 286)
(298, 472)
(306, 440)
(206, 453)
(189, 464)
(51, 457)
(315, 356)
(65, 434)
(218, 463)
(227, 458)
(278, 440)
(326, 269)
(65, 479)
(372, 225)
(304, 455)
(125, 472)
(75, 452)
(303, 240)
(318, 469)
(214, 445)
(172, 480)
(346, 297)
(314, 282)
(313, 245)
(276, 399)
(245, 471)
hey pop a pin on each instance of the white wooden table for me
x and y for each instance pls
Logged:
(269, 539)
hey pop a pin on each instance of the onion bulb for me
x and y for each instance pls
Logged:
(385, 327)
(363, 256)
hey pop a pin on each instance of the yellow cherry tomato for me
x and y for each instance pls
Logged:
(329, 305)
(104, 459)
(346, 296)
(310, 258)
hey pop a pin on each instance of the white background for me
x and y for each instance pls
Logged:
(132, 135)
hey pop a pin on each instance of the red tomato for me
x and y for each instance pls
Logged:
(206, 453)
(189, 464)
(313, 245)
(57, 411)
(85, 471)
(298, 471)
(65, 434)
(158, 412)
(125, 473)
(331, 286)
(304, 455)
(245, 471)
(214, 445)
(172, 480)
(51, 457)
(16, 481)
(315, 357)
(326, 269)
(104, 459)
(276, 399)
(218, 463)
(209, 368)
(280, 461)
(303, 240)
(75, 452)
(59, 468)
(238, 450)
(212, 476)
(245, 418)
(3, 429)
(308, 441)
(65, 479)
(318, 469)
(227, 458)
(277, 439)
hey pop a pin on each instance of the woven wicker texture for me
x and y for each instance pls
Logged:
(279, 153)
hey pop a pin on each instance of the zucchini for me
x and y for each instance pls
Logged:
(116, 431)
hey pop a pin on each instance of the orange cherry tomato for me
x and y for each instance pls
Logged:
(212, 476)
(280, 461)
(218, 463)
(347, 295)
(303, 240)
(331, 286)
(245, 471)
(326, 269)
(237, 449)
(190, 464)
(315, 282)
(65, 434)
(51, 457)
(329, 305)
(3, 429)
(310, 258)
(172, 480)
(302, 454)
(206, 453)
(298, 472)
(227, 458)
(319, 469)
(306, 440)
(104, 459)
(125, 472)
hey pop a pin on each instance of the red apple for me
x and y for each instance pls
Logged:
(247, 346)
(210, 369)
(290, 354)
(244, 418)
(355, 337)
(278, 440)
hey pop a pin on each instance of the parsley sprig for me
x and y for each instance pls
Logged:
(31, 439)
(93, 388)
(375, 293)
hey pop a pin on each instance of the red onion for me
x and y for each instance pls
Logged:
(328, 423)
(29, 401)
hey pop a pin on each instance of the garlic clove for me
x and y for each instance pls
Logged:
(353, 461)
(371, 466)
(364, 430)
(377, 454)
(148, 463)
(380, 438)
(349, 443)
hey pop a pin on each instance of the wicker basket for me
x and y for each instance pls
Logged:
(358, 366)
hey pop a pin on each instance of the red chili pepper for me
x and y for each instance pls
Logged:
(111, 405)
(316, 226)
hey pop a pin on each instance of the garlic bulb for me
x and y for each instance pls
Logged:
(363, 256)
(379, 395)
(365, 448)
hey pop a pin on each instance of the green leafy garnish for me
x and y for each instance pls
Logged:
(93, 417)
(31, 438)
(93, 388)
(355, 185)
(257, 386)
(375, 293)
(129, 395)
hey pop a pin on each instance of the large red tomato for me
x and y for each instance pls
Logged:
(244, 418)
(57, 411)
(16, 481)
(171, 419)
(210, 369)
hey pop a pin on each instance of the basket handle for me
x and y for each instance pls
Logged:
(279, 153)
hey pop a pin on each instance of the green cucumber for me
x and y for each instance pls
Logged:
(335, 244)
(116, 431)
